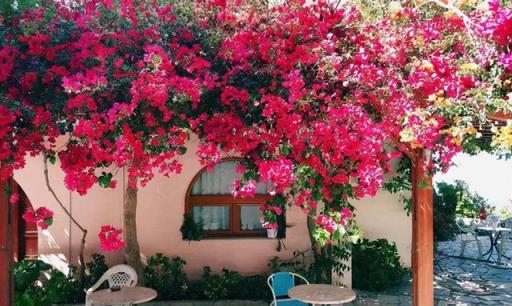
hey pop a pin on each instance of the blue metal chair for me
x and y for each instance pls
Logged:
(279, 284)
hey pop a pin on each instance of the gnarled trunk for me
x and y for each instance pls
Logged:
(323, 271)
(132, 249)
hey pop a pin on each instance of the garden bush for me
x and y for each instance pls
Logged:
(229, 285)
(375, 265)
(38, 284)
(445, 202)
(167, 276)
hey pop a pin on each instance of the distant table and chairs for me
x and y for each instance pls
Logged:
(498, 231)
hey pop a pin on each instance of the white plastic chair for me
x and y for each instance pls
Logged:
(117, 277)
(493, 221)
(468, 235)
(280, 283)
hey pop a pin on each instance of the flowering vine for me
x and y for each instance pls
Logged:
(42, 216)
(110, 240)
(308, 95)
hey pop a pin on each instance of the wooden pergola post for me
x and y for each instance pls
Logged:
(422, 232)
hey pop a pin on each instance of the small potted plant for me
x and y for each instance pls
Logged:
(269, 219)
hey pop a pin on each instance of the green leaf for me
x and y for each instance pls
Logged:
(51, 159)
(105, 179)
(48, 221)
(182, 149)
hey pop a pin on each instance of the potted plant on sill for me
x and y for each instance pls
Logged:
(269, 219)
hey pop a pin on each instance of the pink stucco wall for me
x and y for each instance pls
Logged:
(159, 217)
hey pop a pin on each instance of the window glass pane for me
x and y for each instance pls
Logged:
(214, 218)
(220, 180)
(249, 218)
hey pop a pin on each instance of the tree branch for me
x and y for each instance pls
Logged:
(50, 189)
(66, 211)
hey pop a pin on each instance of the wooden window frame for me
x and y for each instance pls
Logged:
(234, 204)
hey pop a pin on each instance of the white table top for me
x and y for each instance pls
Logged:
(322, 294)
(497, 229)
(127, 295)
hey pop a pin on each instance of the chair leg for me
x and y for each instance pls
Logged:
(462, 248)
(479, 245)
(500, 249)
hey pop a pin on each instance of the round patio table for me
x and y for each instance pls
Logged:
(125, 296)
(320, 294)
(494, 235)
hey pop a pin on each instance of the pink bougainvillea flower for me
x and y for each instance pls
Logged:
(278, 172)
(14, 198)
(326, 222)
(110, 240)
(244, 190)
(42, 216)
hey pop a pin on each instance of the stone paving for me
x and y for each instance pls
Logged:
(459, 280)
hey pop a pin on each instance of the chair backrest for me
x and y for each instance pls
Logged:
(281, 282)
(507, 223)
(117, 276)
(493, 220)
(465, 228)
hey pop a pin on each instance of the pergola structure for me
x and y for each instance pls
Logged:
(423, 217)
(422, 231)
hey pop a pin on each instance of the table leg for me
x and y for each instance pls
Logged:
(494, 245)
(491, 248)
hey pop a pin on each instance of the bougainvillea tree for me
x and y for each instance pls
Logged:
(317, 99)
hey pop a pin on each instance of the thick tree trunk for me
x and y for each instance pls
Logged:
(323, 272)
(132, 249)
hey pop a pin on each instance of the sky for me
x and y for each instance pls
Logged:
(485, 174)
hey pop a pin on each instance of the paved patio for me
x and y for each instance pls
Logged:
(459, 281)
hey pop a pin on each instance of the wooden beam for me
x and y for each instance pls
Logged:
(423, 233)
(499, 116)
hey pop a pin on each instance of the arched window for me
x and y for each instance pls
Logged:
(209, 200)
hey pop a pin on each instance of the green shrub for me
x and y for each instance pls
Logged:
(26, 273)
(191, 230)
(446, 197)
(167, 276)
(230, 285)
(35, 288)
(26, 277)
(61, 289)
(213, 286)
(96, 268)
(252, 287)
(375, 265)
(37, 284)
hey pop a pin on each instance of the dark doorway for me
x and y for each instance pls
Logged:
(18, 239)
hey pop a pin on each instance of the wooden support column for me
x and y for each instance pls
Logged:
(6, 254)
(423, 233)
